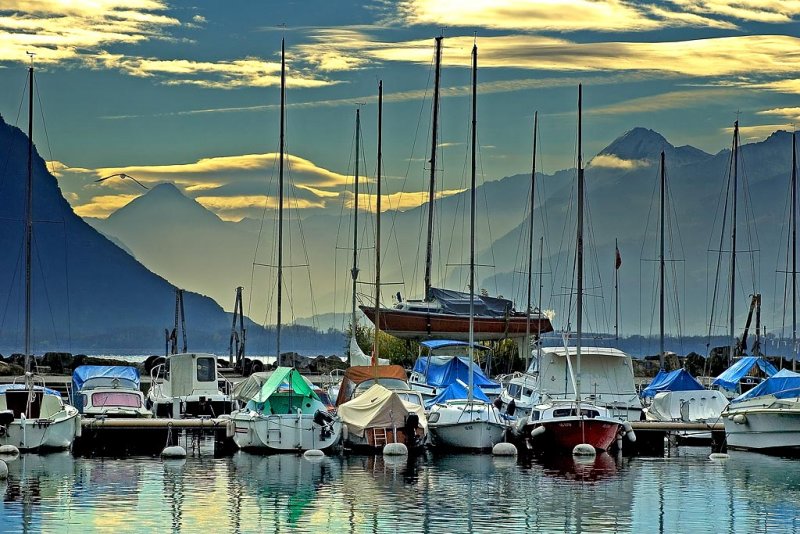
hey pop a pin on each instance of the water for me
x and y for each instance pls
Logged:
(454, 493)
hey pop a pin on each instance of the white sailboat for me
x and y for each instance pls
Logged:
(468, 423)
(282, 411)
(33, 417)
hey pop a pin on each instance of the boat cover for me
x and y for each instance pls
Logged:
(678, 380)
(434, 344)
(730, 378)
(441, 371)
(47, 391)
(259, 387)
(456, 391)
(784, 384)
(359, 373)
(377, 407)
(104, 375)
(358, 357)
(457, 303)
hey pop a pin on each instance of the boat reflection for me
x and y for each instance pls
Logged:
(582, 468)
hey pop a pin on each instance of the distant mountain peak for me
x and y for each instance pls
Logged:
(164, 199)
(643, 144)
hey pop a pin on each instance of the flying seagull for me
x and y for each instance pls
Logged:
(122, 175)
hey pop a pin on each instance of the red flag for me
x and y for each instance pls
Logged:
(618, 261)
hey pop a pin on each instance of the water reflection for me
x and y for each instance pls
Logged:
(463, 493)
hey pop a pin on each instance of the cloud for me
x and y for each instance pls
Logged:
(556, 15)
(758, 132)
(790, 86)
(610, 161)
(100, 205)
(400, 201)
(767, 11)
(671, 100)
(790, 114)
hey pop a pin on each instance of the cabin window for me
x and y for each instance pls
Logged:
(534, 415)
(514, 390)
(117, 399)
(528, 392)
(205, 370)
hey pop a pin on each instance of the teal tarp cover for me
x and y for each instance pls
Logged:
(730, 378)
(678, 380)
(259, 387)
(784, 385)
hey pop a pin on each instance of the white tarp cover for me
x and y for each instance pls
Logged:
(687, 406)
(378, 407)
(358, 357)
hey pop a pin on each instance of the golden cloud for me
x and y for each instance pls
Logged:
(610, 161)
(399, 201)
(792, 114)
(235, 207)
(768, 11)
(102, 205)
(759, 131)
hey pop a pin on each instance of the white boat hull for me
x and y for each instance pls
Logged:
(763, 429)
(283, 433)
(476, 435)
(43, 434)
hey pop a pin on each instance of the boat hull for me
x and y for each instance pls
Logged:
(43, 434)
(766, 429)
(283, 433)
(406, 324)
(374, 442)
(471, 435)
(563, 434)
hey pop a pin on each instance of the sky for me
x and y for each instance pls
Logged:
(188, 92)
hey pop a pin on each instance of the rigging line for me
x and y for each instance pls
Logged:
(11, 145)
(488, 219)
(66, 285)
(35, 245)
(44, 127)
(16, 270)
(727, 190)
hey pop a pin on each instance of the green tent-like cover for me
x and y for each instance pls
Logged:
(259, 387)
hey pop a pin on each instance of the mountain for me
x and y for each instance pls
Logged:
(89, 295)
(641, 144)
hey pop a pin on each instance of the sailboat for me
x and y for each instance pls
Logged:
(32, 416)
(442, 313)
(454, 421)
(282, 412)
(767, 417)
(574, 425)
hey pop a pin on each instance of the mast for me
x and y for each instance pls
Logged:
(432, 185)
(354, 270)
(472, 221)
(794, 253)
(539, 300)
(530, 243)
(280, 207)
(579, 250)
(616, 291)
(661, 354)
(29, 227)
(732, 351)
(376, 350)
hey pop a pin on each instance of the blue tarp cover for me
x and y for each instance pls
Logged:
(678, 380)
(730, 378)
(456, 391)
(47, 391)
(434, 344)
(784, 385)
(445, 370)
(128, 376)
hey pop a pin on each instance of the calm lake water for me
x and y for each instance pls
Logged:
(457, 493)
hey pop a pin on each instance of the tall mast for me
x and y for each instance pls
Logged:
(661, 354)
(354, 270)
(579, 249)
(29, 223)
(432, 185)
(280, 208)
(616, 291)
(530, 243)
(472, 220)
(732, 351)
(794, 253)
(378, 225)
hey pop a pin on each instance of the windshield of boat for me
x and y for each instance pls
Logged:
(413, 398)
(117, 399)
(388, 383)
(206, 370)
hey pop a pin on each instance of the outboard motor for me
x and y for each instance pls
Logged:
(511, 408)
(325, 421)
(410, 428)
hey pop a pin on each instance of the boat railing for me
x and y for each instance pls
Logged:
(333, 377)
(227, 385)
(156, 377)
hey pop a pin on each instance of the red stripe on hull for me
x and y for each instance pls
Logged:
(413, 325)
(564, 434)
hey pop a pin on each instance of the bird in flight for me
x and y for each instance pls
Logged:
(122, 175)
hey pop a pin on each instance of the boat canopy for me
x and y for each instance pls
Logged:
(678, 380)
(457, 303)
(434, 344)
(457, 391)
(356, 374)
(259, 387)
(731, 376)
(359, 358)
(784, 384)
(441, 371)
(13, 387)
(377, 407)
(104, 376)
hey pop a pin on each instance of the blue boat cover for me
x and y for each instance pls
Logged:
(128, 376)
(457, 303)
(730, 378)
(47, 391)
(784, 384)
(456, 391)
(678, 380)
(434, 344)
(445, 370)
